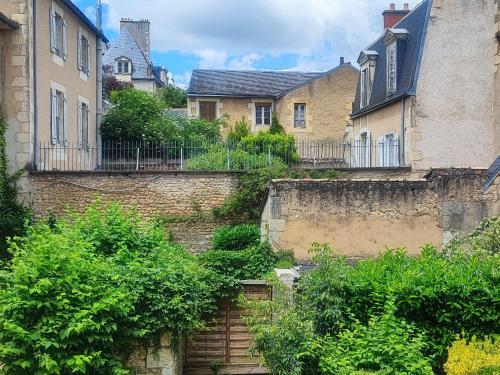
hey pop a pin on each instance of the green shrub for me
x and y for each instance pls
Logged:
(484, 240)
(276, 127)
(280, 145)
(236, 237)
(240, 130)
(62, 308)
(386, 345)
(474, 358)
(173, 96)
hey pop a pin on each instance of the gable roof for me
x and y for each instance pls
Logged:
(126, 46)
(415, 23)
(492, 173)
(84, 19)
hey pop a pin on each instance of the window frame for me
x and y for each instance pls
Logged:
(300, 115)
(392, 68)
(261, 107)
(59, 126)
(83, 128)
(58, 33)
(126, 63)
(83, 53)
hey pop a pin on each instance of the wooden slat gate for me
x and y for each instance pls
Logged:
(226, 343)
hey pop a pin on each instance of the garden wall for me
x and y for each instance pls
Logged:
(163, 193)
(360, 217)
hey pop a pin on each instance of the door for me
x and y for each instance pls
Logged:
(225, 344)
(208, 110)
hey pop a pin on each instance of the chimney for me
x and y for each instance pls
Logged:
(393, 15)
(342, 61)
(140, 32)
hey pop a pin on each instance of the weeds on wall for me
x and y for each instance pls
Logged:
(12, 214)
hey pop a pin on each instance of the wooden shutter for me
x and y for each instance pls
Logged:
(368, 151)
(395, 161)
(64, 38)
(89, 60)
(207, 110)
(380, 152)
(79, 52)
(357, 151)
(53, 37)
(65, 121)
(53, 116)
(80, 125)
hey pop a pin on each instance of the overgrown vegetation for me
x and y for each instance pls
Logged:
(173, 96)
(13, 215)
(80, 290)
(474, 358)
(236, 237)
(373, 316)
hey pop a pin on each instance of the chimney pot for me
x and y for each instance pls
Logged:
(392, 6)
(342, 60)
(406, 6)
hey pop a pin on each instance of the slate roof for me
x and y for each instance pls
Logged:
(84, 19)
(416, 24)
(243, 83)
(7, 23)
(126, 46)
(493, 173)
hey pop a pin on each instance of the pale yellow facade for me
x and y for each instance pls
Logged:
(30, 70)
(328, 102)
(496, 53)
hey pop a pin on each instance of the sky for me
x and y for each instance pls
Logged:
(303, 35)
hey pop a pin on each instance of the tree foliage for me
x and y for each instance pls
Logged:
(173, 96)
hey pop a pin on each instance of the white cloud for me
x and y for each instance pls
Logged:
(219, 30)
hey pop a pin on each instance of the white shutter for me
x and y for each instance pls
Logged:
(53, 37)
(89, 58)
(87, 127)
(80, 125)
(65, 39)
(395, 161)
(65, 121)
(357, 151)
(53, 116)
(380, 152)
(79, 52)
(368, 151)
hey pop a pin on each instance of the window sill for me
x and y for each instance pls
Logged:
(84, 76)
(57, 59)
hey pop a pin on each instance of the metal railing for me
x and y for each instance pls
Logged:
(206, 156)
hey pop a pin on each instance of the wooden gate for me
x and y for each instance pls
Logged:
(226, 343)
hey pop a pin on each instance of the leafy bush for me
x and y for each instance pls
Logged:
(474, 358)
(276, 127)
(252, 263)
(237, 237)
(110, 84)
(240, 130)
(386, 345)
(484, 240)
(81, 289)
(173, 96)
(62, 309)
(280, 145)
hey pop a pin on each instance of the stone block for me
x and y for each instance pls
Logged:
(159, 358)
(18, 60)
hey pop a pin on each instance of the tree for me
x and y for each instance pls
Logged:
(276, 126)
(173, 97)
(110, 84)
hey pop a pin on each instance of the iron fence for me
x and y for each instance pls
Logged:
(205, 156)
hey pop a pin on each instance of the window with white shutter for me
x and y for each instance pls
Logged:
(299, 120)
(58, 30)
(83, 125)
(83, 54)
(58, 121)
(391, 68)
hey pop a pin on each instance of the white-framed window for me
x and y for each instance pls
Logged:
(59, 117)
(362, 150)
(123, 66)
(83, 124)
(83, 54)
(392, 84)
(365, 86)
(262, 114)
(58, 31)
(388, 150)
(299, 116)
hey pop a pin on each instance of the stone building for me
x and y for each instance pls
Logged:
(308, 105)
(425, 96)
(48, 78)
(129, 58)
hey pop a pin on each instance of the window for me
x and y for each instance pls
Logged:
(362, 150)
(58, 117)
(262, 114)
(83, 122)
(83, 54)
(299, 118)
(58, 28)
(388, 150)
(365, 86)
(391, 69)
(123, 67)
(208, 110)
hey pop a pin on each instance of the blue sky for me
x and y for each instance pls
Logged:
(306, 35)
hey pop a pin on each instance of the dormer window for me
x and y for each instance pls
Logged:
(368, 62)
(392, 80)
(123, 66)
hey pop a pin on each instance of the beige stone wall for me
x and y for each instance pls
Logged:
(163, 360)
(454, 110)
(328, 105)
(153, 194)
(361, 218)
(328, 99)
(496, 69)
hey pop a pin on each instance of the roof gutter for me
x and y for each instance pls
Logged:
(230, 96)
(381, 105)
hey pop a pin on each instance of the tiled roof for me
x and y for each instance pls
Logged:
(238, 83)
(126, 46)
(416, 24)
(493, 173)
(84, 18)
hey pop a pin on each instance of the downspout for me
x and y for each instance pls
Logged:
(35, 94)
(99, 85)
(402, 140)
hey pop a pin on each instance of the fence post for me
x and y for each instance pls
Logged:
(137, 159)
(182, 157)
(228, 157)
(269, 155)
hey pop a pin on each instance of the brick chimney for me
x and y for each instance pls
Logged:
(342, 61)
(140, 32)
(393, 15)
